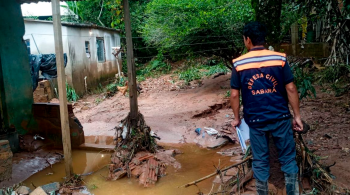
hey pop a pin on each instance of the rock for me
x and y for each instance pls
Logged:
(38, 191)
(23, 190)
(171, 153)
(217, 143)
(52, 187)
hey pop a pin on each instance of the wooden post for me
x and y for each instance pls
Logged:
(294, 37)
(61, 79)
(131, 65)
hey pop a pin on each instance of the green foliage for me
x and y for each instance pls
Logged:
(219, 68)
(155, 67)
(206, 27)
(98, 100)
(228, 94)
(303, 80)
(338, 76)
(112, 88)
(72, 96)
(93, 187)
(191, 74)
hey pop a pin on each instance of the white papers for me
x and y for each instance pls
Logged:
(243, 135)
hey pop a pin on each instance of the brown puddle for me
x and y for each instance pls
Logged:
(196, 163)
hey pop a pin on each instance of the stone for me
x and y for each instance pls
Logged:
(23, 190)
(38, 191)
(51, 187)
(216, 143)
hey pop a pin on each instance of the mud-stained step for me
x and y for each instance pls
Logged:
(214, 109)
(96, 147)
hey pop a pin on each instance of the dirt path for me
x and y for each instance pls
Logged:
(170, 114)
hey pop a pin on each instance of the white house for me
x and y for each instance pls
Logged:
(88, 48)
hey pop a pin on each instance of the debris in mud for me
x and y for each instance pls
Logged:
(239, 176)
(137, 154)
(214, 109)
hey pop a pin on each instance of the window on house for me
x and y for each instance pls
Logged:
(27, 41)
(100, 50)
(87, 49)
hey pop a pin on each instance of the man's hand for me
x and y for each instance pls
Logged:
(235, 123)
(297, 124)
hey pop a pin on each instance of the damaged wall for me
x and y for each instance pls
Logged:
(75, 37)
(16, 90)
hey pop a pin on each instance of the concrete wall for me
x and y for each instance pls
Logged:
(314, 50)
(15, 80)
(83, 66)
(79, 65)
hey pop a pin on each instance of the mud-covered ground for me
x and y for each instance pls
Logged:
(174, 113)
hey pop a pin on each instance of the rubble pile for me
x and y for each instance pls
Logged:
(138, 155)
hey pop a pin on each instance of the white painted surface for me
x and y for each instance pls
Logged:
(79, 64)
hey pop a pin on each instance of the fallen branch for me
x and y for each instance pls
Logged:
(213, 174)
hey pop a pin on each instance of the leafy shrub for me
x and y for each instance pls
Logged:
(72, 96)
(191, 74)
(219, 68)
(156, 66)
(303, 80)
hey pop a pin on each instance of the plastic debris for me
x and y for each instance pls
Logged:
(211, 131)
(198, 131)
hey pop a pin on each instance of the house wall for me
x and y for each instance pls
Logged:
(79, 65)
(15, 80)
(82, 66)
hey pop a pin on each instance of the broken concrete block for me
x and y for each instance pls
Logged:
(51, 187)
(38, 191)
(23, 190)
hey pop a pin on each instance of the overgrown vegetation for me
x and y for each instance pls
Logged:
(72, 96)
(303, 80)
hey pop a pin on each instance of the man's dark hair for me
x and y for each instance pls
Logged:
(256, 31)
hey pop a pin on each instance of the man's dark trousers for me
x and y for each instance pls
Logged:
(282, 133)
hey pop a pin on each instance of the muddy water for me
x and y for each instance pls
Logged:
(196, 163)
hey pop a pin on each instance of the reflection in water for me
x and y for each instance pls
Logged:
(196, 163)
